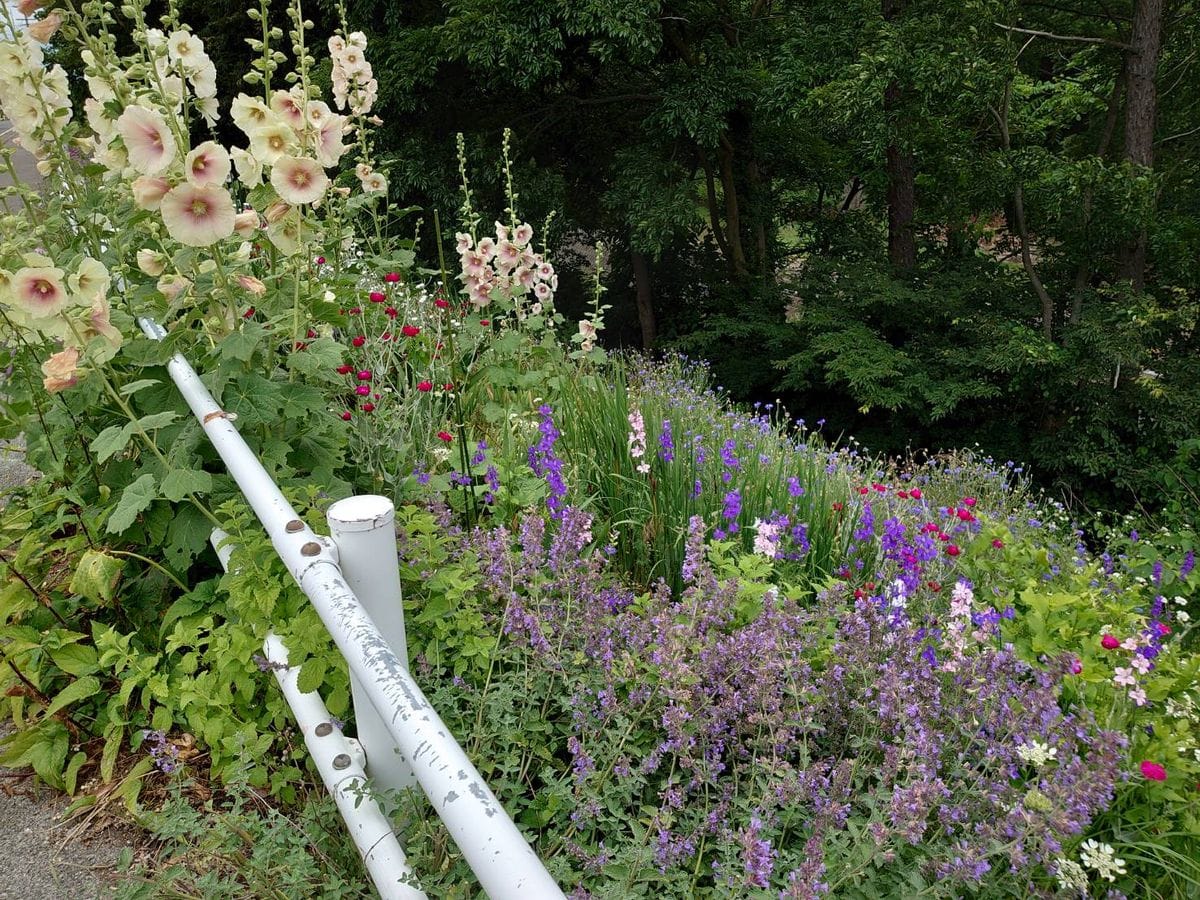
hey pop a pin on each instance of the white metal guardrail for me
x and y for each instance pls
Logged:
(403, 737)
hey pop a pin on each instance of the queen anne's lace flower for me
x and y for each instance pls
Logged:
(1102, 858)
(1036, 753)
(1070, 875)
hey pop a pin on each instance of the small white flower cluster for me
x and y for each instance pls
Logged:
(507, 268)
(1102, 858)
(1070, 876)
(36, 101)
(354, 84)
(1036, 753)
(766, 537)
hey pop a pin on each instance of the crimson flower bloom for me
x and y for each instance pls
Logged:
(445, 436)
(344, 369)
(392, 312)
(1076, 667)
(863, 490)
(359, 341)
(969, 501)
(1153, 771)
(952, 550)
(391, 277)
(346, 416)
(410, 331)
(248, 314)
(356, 310)
(837, 507)
(903, 495)
(425, 386)
(362, 390)
(364, 375)
(998, 544)
(377, 296)
(915, 493)
(1109, 642)
(320, 260)
(485, 322)
(441, 304)
(368, 407)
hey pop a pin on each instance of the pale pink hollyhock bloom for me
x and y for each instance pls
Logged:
(507, 254)
(587, 329)
(148, 191)
(545, 271)
(38, 291)
(336, 45)
(317, 113)
(90, 278)
(252, 285)
(248, 168)
(522, 234)
(330, 148)
(198, 216)
(473, 264)
(29, 7)
(148, 141)
(542, 291)
(524, 277)
(98, 321)
(271, 141)
(249, 112)
(171, 286)
(374, 183)
(61, 370)
(463, 242)
(299, 179)
(487, 248)
(276, 212)
(207, 165)
(288, 107)
(362, 170)
(151, 262)
(246, 223)
(44, 29)
(501, 232)
(528, 258)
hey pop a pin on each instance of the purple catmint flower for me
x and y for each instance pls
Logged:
(758, 858)
(1156, 572)
(1189, 563)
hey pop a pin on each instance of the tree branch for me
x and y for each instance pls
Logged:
(1072, 38)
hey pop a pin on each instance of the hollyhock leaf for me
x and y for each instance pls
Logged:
(134, 499)
(319, 361)
(96, 576)
(181, 482)
(110, 441)
(187, 536)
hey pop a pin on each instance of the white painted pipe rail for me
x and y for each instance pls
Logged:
(340, 763)
(499, 855)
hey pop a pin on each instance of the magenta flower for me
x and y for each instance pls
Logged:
(1153, 771)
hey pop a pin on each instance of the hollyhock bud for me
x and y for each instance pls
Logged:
(245, 223)
(1108, 642)
(151, 262)
(391, 277)
(359, 341)
(410, 331)
(276, 211)
(362, 390)
(915, 493)
(368, 407)
(377, 296)
(425, 386)
(364, 375)
(344, 369)
(346, 416)
(1153, 771)
(445, 436)
(952, 550)
(251, 285)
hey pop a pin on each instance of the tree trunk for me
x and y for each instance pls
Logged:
(714, 214)
(901, 177)
(645, 299)
(1141, 110)
(733, 215)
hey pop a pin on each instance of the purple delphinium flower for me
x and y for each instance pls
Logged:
(727, 455)
(666, 442)
(794, 488)
(544, 463)
(731, 509)
(1189, 563)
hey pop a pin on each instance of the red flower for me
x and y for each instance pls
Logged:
(485, 322)
(386, 336)
(391, 277)
(445, 436)
(364, 375)
(248, 314)
(359, 341)
(935, 587)
(879, 487)
(368, 407)
(915, 493)
(356, 310)
(362, 390)
(870, 585)
(1109, 642)
(300, 345)
(965, 515)
(858, 595)
(346, 416)
(311, 333)
(1153, 771)
(344, 369)
(837, 507)
(448, 386)
(320, 260)
(425, 386)
(863, 490)
(969, 501)
(441, 304)
(952, 550)
(998, 544)
(410, 331)
(903, 495)
(391, 312)
(1163, 628)
(377, 296)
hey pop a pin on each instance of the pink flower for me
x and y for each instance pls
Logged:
(1076, 667)
(148, 140)
(61, 370)
(998, 544)
(391, 312)
(368, 407)
(39, 291)
(1153, 771)
(915, 493)
(391, 277)
(1124, 677)
(952, 550)
(969, 501)
(425, 386)
(246, 223)
(344, 369)
(298, 179)
(364, 375)
(359, 341)
(148, 191)
(198, 216)
(251, 285)
(377, 296)
(1138, 696)
(346, 416)
(445, 436)
(208, 164)
(1108, 642)
(320, 260)
(410, 331)
(363, 390)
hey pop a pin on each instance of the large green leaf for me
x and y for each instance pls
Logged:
(134, 499)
